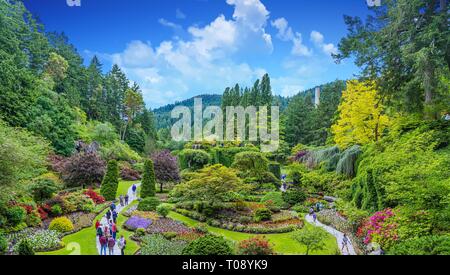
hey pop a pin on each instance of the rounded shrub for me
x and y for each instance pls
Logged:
(208, 245)
(61, 224)
(294, 196)
(16, 215)
(25, 248)
(148, 204)
(255, 246)
(43, 189)
(194, 159)
(57, 210)
(262, 214)
(110, 182)
(163, 210)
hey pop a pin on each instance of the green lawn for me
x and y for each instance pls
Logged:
(84, 242)
(283, 243)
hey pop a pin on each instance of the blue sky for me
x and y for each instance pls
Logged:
(176, 49)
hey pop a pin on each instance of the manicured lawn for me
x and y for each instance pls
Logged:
(124, 186)
(84, 242)
(283, 243)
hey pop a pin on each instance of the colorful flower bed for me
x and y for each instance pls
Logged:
(41, 240)
(146, 215)
(168, 225)
(136, 222)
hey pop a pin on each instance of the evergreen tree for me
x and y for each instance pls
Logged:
(266, 91)
(110, 182)
(116, 85)
(148, 180)
(255, 94)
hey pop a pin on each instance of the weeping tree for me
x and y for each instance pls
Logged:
(148, 180)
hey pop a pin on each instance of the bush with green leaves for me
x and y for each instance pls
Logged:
(262, 214)
(226, 155)
(15, 215)
(43, 189)
(275, 169)
(110, 182)
(57, 210)
(311, 237)
(62, 225)
(148, 180)
(208, 245)
(163, 210)
(251, 164)
(3, 243)
(157, 244)
(25, 248)
(22, 155)
(294, 196)
(274, 199)
(193, 159)
(428, 245)
(149, 204)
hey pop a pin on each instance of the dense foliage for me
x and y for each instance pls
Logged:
(166, 168)
(148, 180)
(208, 245)
(110, 182)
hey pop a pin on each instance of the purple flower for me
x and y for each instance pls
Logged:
(136, 222)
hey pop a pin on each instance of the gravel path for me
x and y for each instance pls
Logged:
(119, 209)
(338, 235)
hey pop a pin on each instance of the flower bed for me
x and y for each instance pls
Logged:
(168, 225)
(146, 215)
(41, 240)
(136, 222)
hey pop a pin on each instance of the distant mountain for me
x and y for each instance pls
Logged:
(162, 114)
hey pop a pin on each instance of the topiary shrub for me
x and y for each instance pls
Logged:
(163, 210)
(148, 180)
(15, 215)
(208, 245)
(193, 159)
(61, 224)
(25, 248)
(255, 246)
(110, 182)
(262, 214)
(148, 204)
(294, 196)
(43, 189)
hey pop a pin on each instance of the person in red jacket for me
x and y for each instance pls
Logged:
(111, 244)
(114, 230)
(97, 224)
(103, 244)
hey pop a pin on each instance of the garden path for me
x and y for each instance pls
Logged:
(119, 208)
(337, 234)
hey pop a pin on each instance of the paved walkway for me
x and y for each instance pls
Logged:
(338, 235)
(119, 209)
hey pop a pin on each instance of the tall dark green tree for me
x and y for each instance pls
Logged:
(148, 180)
(265, 91)
(110, 182)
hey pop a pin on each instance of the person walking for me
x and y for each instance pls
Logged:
(133, 188)
(311, 211)
(103, 244)
(108, 215)
(111, 244)
(114, 216)
(114, 230)
(97, 224)
(314, 217)
(345, 242)
(126, 199)
(112, 207)
(99, 231)
(122, 245)
(121, 200)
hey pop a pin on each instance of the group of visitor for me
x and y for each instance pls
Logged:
(107, 232)
(124, 200)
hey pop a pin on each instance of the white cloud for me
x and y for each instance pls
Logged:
(285, 33)
(179, 14)
(136, 54)
(169, 24)
(318, 39)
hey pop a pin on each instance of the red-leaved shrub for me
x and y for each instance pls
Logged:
(127, 173)
(97, 198)
(255, 246)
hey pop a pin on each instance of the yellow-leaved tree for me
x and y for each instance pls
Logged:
(361, 119)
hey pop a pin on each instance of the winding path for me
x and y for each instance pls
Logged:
(337, 234)
(119, 209)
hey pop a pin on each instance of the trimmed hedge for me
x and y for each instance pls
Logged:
(193, 159)
(225, 156)
(110, 182)
(148, 180)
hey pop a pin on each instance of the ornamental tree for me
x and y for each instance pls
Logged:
(312, 238)
(148, 180)
(84, 169)
(166, 168)
(110, 182)
(361, 119)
